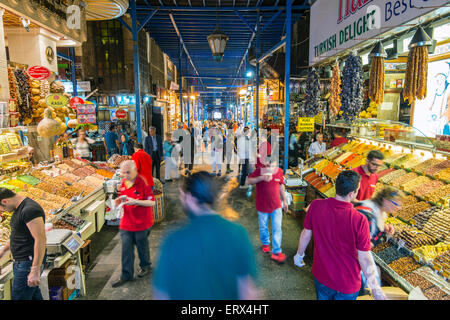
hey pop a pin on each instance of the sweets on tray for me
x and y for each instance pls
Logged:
(408, 212)
(438, 225)
(412, 162)
(421, 167)
(442, 263)
(65, 167)
(414, 238)
(438, 194)
(428, 187)
(105, 173)
(435, 293)
(94, 181)
(409, 200)
(416, 280)
(69, 192)
(404, 265)
(88, 188)
(63, 225)
(384, 172)
(402, 160)
(397, 182)
(392, 175)
(70, 177)
(444, 174)
(413, 184)
(391, 254)
(28, 179)
(422, 217)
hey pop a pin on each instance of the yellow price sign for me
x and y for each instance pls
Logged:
(305, 124)
(318, 118)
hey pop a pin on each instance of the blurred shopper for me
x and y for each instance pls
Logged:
(190, 136)
(112, 141)
(270, 200)
(136, 221)
(126, 145)
(169, 159)
(219, 264)
(368, 173)
(339, 139)
(154, 148)
(244, 156)
(27, 243)
(216, 139)
(341, 244)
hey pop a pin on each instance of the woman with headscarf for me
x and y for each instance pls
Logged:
(126, 145)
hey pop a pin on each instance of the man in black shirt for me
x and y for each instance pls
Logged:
(27, 243)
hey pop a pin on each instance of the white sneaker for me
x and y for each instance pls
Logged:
(244, 187)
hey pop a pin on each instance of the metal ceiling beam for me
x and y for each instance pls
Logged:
(125, 24)
(245, 21)
(270, 21)
(184, 47)
(261, 8)
(147, 20)
(213, 77)
(279, 45)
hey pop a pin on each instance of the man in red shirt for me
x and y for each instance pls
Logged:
(339, 139)
(143, 163)
(368, 173)
(270, 199)
(136, 221)
(341, 244)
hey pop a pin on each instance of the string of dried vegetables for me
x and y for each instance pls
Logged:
(352, 87)
(25, 107)
(376, 80)
(416, 74)
(335, 98)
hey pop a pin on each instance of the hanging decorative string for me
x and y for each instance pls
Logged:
(352, 87)
(312, 98)
(335, 97)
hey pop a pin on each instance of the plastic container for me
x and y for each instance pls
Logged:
(56, 293)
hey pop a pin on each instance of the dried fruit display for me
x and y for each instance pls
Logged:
(442, 263)
(404, 265)
(63, 225)
(88, 188)
(94, 181)
(416, 280)
(428, 187)
(25, 106)
(391, 254)
(444, 175)
(381, 247)
(400, 161)
(69, 192)
(413, 184)
(385, 172)
(428, 253)
(105, 173)
(415, 86)
(376, 80)
(435, 293)
(409, 200)
(392, 175)
(335, 90)
(412, 162)
(408, 212)
(413, 237)
(403, 179)
(436, 195)
(420, 168)
(70, 177)
(312, 97)
(47, 187)
(65, 167)
(437, 168)
(352, 87)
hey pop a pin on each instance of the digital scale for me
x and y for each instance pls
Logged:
(59, 241)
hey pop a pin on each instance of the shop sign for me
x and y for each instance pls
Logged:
(39, 72)
(318, 118)
(121, 114)
(75, 101)
(57, 100)
(338, 25)
(305, 124)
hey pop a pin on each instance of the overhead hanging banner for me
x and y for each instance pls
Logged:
(338, 25)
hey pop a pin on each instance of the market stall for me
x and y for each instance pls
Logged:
(417, 255)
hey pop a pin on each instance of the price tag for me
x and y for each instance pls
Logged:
(400, 244)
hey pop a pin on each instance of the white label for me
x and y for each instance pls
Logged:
(387, 105)
(401, 244)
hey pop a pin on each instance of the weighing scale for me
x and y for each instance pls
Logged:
(59, 241)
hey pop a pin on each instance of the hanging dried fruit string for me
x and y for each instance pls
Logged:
(312, 99)
(335, 98)
(352, 87)
(416, 74)
(376, 80)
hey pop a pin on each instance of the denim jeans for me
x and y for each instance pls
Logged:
(244, 172)
(325, 293)
(129, 240)
(20, 289)
(263, 219)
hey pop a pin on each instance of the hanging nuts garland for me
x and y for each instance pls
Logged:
(335, 98)
(376, 88)
(416, 74)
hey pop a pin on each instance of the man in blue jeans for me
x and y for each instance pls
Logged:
(27, 243)
(138, 199)
(112, 141)
(270, 199)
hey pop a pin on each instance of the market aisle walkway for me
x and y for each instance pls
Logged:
(279, 282)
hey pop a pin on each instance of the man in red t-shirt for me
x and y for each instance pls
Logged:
(368, 173)
(143, 163)
(338, 140)
(136, 221)
(341, 244)
(270, 199)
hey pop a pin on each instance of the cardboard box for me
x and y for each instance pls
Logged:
(392, 293)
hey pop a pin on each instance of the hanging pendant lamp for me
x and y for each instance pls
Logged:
(420, 39)
(217, 42)
(378, 51)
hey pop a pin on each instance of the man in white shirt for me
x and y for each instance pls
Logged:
(318, 147)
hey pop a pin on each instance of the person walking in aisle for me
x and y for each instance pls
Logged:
(143, 163)
(318, 147)
(368, 173)
(126, 145)
(136, 221)
(220, 263)
(216, 139)
(27, 243)
(191, 151)
(153, 146)
(341, 244)
(111, 141)
(244, 156)
(169, 161)
(270, 201)
(82, 145)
